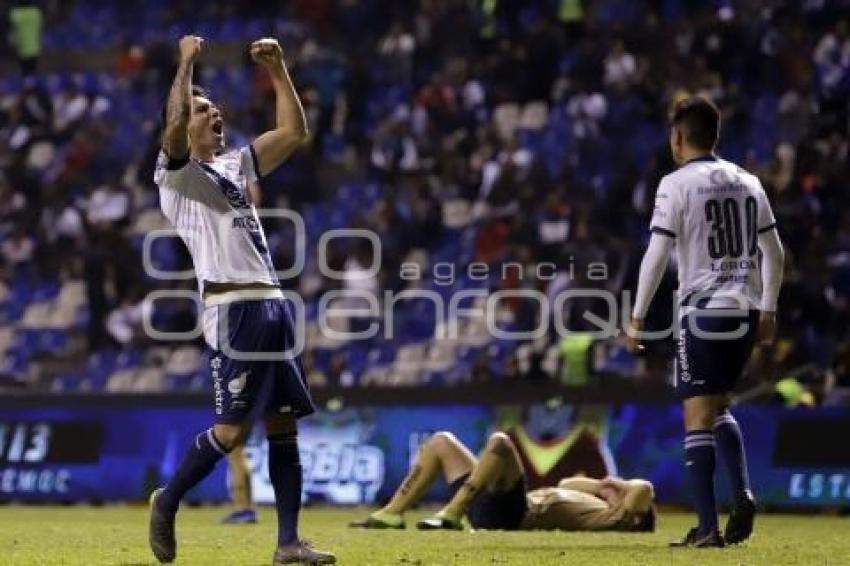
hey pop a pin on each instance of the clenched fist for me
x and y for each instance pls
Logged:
(267, 52)
(190, 48)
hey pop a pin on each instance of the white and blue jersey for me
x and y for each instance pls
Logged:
(209, 205)
(715, 211)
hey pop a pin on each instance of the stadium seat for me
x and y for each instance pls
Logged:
(441, 355)
(121, 381)
(183, 361)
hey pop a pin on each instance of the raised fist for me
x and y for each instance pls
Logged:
(266, 52)
(190, 48)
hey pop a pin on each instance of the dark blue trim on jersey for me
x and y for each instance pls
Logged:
(230, 191)
(663, 232)
(238, 201)
(767, 228)
(176, 164)
(256, 162)
(707, 158)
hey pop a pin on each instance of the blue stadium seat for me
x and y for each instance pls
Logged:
(101, 364)
(129, 358)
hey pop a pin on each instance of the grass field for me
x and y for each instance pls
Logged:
(117, 535)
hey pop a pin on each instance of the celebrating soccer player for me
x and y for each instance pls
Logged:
(719, 217)
(205, 194)
(491, 492)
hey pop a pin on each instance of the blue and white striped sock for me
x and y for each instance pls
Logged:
(197, 464)
(730, 444)
(700, 461)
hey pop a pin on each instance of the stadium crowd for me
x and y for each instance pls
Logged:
(458, 131)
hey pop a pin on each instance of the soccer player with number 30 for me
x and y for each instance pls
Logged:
(730, 270)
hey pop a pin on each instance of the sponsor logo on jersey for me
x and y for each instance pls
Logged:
(246, 222)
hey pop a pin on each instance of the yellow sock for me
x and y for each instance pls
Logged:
(418, 480)
(240, 479)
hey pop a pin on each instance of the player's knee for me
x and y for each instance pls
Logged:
(441, 440)
(229, 436)
(499, 443)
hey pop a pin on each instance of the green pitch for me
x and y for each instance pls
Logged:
(118, 535)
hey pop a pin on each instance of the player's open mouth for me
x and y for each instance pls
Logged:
(218, 127)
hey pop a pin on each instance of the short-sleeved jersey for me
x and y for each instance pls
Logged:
(715, 210)
(209, 205)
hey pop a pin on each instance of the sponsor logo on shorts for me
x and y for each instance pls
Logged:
(215, 366)
(236, 385)
(684, 365)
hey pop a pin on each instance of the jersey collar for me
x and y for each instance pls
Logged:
(708, 157)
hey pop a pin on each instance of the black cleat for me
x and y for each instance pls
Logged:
(371, 522)
(161, 531)
(301, 552)
(438, 523)
(696, 540)
(739, 527)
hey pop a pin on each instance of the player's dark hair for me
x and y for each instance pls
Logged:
(700, 119)
(645, 522)
(196, 91)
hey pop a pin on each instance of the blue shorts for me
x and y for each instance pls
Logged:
(712, 365)
(267, 384)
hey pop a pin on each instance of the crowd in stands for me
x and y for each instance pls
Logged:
(461, 132)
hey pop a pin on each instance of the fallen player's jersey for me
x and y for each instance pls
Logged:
(555, 508)
(715, 211)
(573, 506)
(209, 205)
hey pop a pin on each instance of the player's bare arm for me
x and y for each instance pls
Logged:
(175, 139)
(273, 147)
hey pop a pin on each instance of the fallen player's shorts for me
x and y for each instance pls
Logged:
(272, 380)
(501, 510)
(712, 365)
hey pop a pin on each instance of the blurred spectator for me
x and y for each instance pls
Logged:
(25, 18)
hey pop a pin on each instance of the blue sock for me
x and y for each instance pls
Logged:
(285, 475)
(197, 464)
(730, 443)
(700, 461)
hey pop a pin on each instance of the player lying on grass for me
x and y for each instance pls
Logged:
(491, 492)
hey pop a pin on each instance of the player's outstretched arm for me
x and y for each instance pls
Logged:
(651, 271)
(773, 262)
(273, 147)
(175, 138)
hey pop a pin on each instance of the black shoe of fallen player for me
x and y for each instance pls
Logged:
(375, 523)
(739, 527)
(161, 531)
(301, 552)
(437, 523)
(696, 540)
